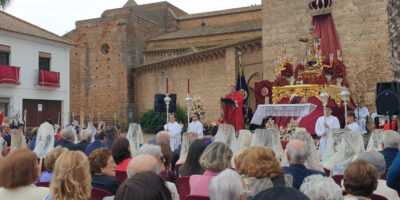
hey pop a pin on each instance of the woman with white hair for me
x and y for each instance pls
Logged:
(228, 185)
(313, 160)
(45, 140)
(318, 187)
(390, 146)
(348, 150)
(270, 138)
(135, 137)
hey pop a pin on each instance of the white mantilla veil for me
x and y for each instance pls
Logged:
(93, 130)
(56, 127)
(313, 160)
(375, 140)
(226, 135)
(244, 140)
(17, 139)
(270, 138)
(187, 139)
(45, 140)
(334, 139)
(135, 137)
(350, 147)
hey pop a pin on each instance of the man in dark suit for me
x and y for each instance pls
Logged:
(100, 142)
(390, 145)
(297, 155)
(86, 138)
(67, 139)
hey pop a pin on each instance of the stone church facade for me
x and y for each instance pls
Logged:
(123, 58)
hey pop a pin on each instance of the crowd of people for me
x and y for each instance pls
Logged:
(49, 162)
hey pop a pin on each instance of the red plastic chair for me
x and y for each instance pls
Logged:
(183, 187)
(43, 184)
(99, 194)
(384, 175)
(121, 176)
(378, 197)
(338, 179)
(197, 197)
(327, 172)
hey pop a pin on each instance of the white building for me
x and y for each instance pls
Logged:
(32, 50)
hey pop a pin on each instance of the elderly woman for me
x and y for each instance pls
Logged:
(18, 171)
(350, 147)
(86, 138)
(262, 169)
(318, 187)
(360, 180)
(227, 185)
(51, 158)
(71, 177)
(102, 168)
(192, 164)
(216, 158)
(378, 161)
(121, 152)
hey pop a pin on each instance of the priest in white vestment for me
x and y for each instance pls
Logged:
(322, 128)
(196, 126)
(351, 124)
(174, 131)
(362, 114)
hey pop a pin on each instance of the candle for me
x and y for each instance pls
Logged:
(188, 86)
(167, 86)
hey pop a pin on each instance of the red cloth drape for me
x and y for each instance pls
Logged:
(9, 74)
(326, 31)
(49, 79)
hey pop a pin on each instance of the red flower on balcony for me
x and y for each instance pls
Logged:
(49, 79)
(9, 74)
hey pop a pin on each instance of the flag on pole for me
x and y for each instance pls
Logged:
(241, 85)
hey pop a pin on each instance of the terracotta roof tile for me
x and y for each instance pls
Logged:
(221, 12)
(212, 30)
(14, 24)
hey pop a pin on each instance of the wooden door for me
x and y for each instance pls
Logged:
(39, 110)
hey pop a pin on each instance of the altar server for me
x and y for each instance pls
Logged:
(351, 124)
(324, 126)
(196, 126)
(362, 114)
(174, 130)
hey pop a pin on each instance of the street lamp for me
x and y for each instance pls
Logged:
(344, 95)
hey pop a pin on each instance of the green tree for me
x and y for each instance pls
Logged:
(4, 4)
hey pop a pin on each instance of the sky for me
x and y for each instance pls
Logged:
(60, 16)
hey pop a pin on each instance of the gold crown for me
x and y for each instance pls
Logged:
(320, 7)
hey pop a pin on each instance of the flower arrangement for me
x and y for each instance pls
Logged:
(280, 81)
(288, 71)
(198, 107)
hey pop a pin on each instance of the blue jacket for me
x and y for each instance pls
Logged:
(97, 144)
(67, 144)
(389, 154)
(299, 172)
(393, 175)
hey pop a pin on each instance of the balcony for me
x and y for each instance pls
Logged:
(48, 79)
(9, 75)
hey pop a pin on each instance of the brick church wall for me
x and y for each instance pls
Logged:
(362, 27)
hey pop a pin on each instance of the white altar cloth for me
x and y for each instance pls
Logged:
(287, 110)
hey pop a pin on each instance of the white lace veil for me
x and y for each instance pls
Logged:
(244, 140)
(135, 137)
(92, 129)
(187, 139)
(375, 140)
(17, 139)
(270, 138)
(226, 135)
(44, 140)
(349, 149)
(313, 161)
(334, 139)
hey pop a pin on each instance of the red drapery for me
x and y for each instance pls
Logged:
(49, 79)
(326, 31)
(259, 94)
(9, 74)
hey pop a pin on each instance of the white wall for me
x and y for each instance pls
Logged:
(25, 54)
